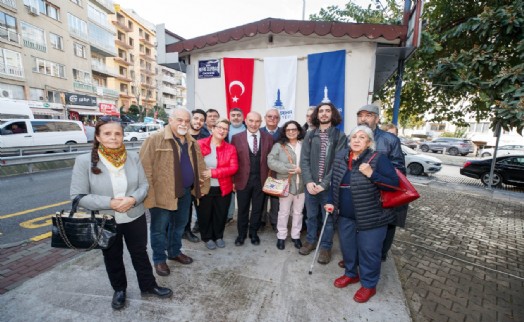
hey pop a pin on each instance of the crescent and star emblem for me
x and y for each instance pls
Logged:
(239, 84)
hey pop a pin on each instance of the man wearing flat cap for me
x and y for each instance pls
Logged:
(389, 144)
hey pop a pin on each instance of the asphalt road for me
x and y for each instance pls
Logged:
(29, 201)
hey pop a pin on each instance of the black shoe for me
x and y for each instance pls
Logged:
(281, 244)
(239, 241)
(297, 243)
(196, 228)
(190, 236)
(159, 292)
(119, 300)
(254, 239)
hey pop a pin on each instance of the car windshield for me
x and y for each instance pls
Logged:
(132, 128)
(408, 150)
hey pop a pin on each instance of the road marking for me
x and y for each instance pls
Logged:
(34, 209)
(33, 223)
(40, 237)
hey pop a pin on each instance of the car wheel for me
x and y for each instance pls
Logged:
(497, 179)
(453, 151)
(415, 169)
(424, 148)
(486, 154)
(133, 139)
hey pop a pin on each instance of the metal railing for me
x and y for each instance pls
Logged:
(9, 3)
(49, 153)
(10, 34)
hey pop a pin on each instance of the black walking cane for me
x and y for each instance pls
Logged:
(318, 244)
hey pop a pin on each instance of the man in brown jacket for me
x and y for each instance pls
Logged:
(173, 165)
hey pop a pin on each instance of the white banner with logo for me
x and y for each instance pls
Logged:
(281, 85)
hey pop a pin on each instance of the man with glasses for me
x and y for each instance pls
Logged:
(253, 146)
(173, 165)
(272, 119)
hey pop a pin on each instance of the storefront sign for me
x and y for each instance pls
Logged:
(108, 109)
(209, 68)
(77, 99)
(38, 104)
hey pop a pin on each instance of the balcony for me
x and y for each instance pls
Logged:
(10, 70)
(147, 57)
(103, 69)
(105, 5)
(9, 35)
(148, 85)
(103, 49)
(82, 35)
(147, 71)
(83, 86)
(122, 61)
(108, 92)
(29, 43)
(121, 24)
(124, 78)
(9, 4)
(147, 42)
(168, 79)
(123, 44)
(149, 100)
(125, 94)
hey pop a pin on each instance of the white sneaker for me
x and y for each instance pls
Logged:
(211, 245)
(220, 243)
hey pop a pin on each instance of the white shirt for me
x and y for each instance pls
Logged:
(250, 139)
(119, 184)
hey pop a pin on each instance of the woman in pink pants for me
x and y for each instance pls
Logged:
(284, 159)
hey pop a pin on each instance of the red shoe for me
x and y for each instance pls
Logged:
(364, 294)
(344, 281)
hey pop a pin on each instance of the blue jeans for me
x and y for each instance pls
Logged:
(362, 250)
(168, 226)
(313, 203)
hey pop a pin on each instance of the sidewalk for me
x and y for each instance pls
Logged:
(248, 283)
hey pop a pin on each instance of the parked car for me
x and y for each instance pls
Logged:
(503, 150)
(408, 142)
(453, 146)
(35, 132)
(418, 163)
(140, 131)
(509, 169)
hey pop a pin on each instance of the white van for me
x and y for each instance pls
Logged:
(14, 109)
(140, 131)
(35, 132)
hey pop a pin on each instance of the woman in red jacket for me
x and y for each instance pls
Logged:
(222, 164)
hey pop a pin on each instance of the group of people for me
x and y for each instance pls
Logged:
(207, 162)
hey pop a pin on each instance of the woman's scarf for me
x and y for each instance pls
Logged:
(117, 157)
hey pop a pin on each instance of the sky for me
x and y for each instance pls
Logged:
(193, 18)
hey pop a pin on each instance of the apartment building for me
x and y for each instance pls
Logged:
(171, 78)
(46, 53)
(135, 62)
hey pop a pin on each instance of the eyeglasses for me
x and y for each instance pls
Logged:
(291, 130)
(272, 116)
(221, 128)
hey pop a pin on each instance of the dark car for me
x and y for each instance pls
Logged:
(508, 169)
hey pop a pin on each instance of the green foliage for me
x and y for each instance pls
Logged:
(448, 135)
(471, 60)
(133, 110)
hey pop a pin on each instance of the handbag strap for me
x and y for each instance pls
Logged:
(384, 184)
(290, 161)
(76, 201)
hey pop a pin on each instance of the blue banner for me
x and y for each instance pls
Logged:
(326, 72)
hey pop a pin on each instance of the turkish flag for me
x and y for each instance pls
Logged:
(239, 83)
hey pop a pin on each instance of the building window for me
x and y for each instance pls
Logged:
(131, 42)
(123, 88)
(79, 50)
(81, 76)
(49, 9)
(33, 37)
(130, 25)
(439, 127)
(77, 2)
(57, 42)
(131, 58)
(12, 91)
(49, 68)
(8, 30)
(77, 26)
(11, 63)
(122, 71)
(53, 97)
(36, 94)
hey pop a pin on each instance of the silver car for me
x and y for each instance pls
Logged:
(453, 146)
(511, 149)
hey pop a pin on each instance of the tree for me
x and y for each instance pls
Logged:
(471, 59)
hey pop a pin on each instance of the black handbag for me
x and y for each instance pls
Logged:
(82, 231)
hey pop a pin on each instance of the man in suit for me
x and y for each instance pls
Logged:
(272, 119)
(252, 146)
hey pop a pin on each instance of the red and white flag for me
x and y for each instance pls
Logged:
(239, 83)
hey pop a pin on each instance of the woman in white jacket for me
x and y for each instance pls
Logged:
(284, 159)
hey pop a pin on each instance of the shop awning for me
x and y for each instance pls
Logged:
(45, 111)
(85, 111)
